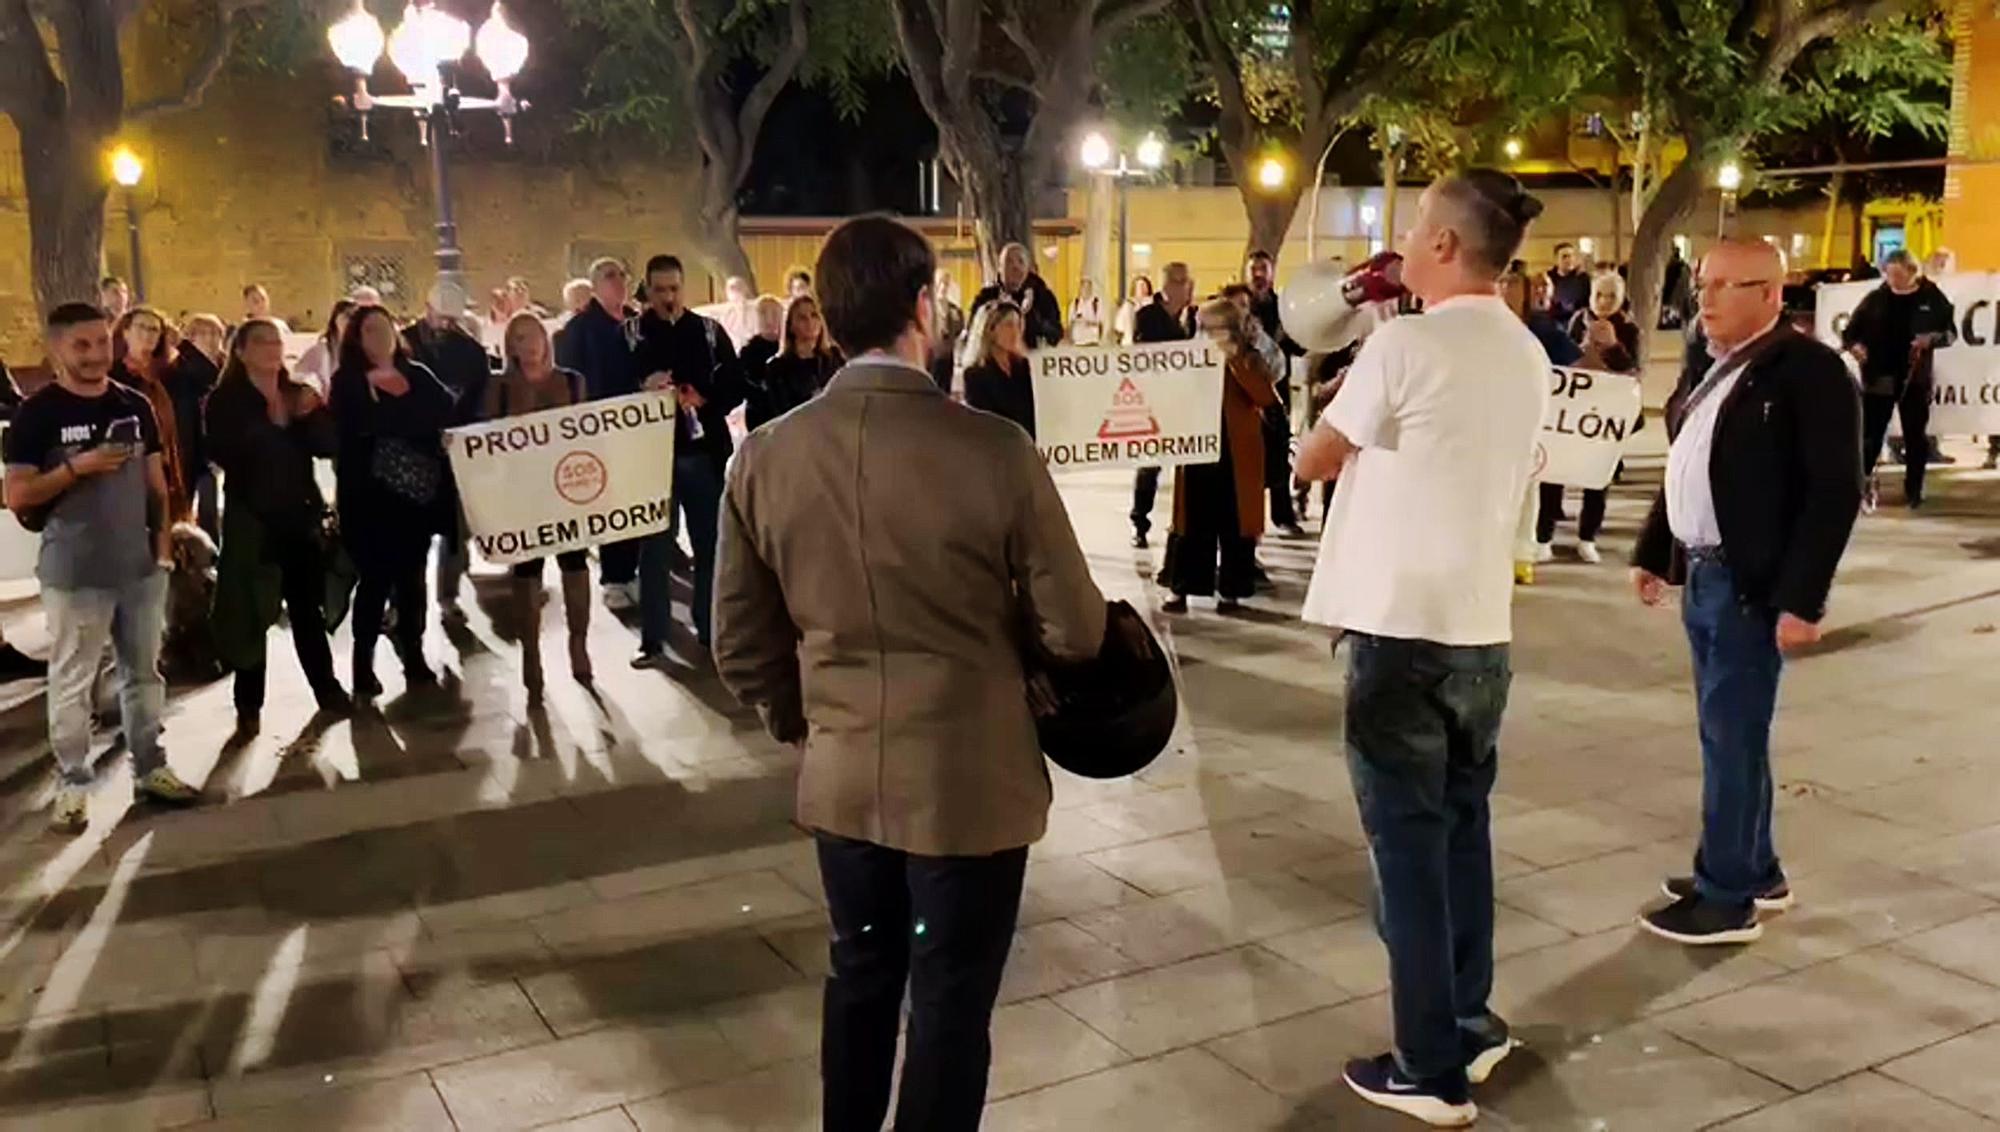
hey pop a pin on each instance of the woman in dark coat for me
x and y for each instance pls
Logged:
(392, 485)
(1219, 508)
(1000, 380)
(798, 373)
(265, 428)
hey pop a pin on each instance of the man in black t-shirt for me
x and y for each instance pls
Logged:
(84, 465)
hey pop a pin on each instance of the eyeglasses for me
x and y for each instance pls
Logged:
(1714, 288)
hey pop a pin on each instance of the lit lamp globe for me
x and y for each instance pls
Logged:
(356, 40)
(1271, 173)
(126, 168)
(1152, 151)
(1729, 178)
(426, 40)
(1096, 152)
(502, 50)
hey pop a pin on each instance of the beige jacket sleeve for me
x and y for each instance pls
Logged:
(1065, 609)
(756, 643)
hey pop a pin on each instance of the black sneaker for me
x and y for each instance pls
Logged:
(1139, 540)
(1704, 923)
(17, 665)
(1292, 530)
(653, 657)
(1486, 1048)
(1380, 1081)
(1174, 605)
(1777, 898)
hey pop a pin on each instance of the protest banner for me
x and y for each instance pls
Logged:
(1157, 405)
(1590, 416)
(563, 479)
(1965, 393)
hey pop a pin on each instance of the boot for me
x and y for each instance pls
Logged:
(366, 686)
(526, 608)
(576, 614)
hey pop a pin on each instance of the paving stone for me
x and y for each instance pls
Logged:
(1168, 1007)
(1188, 1091)
(1959, 1070)
(1861, 1010)
(1865, 1102)
(573, 1076)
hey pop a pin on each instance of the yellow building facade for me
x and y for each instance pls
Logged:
(1972, 184)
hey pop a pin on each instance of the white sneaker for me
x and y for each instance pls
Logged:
(70, 814)
(620, 596)
(165, 787)
(1588, 552)
(1545, 552)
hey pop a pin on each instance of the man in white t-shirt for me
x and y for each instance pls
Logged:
(1432, 438)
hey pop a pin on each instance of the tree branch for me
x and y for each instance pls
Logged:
(783, 66)
(1198, 23)
(214, 53)
(1789, 38)
(700, 44)
(1113, 16)
(1670, 18)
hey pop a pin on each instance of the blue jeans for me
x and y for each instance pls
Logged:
(1423, 728)
(131, 619)
(1736, 668)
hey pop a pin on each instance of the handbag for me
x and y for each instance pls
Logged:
(403, 469)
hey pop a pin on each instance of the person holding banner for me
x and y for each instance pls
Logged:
(1219, 507)
(594, 343)
(390, 485)
(1763, 486)
(1432, 439)
(1893, 333)
(530, 382)
(999, 380)
(1169, 317)
(880, 629)
(1610, 342)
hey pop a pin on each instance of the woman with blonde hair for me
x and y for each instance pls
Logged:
(998, 379)
(1219, 507)
(530, 382)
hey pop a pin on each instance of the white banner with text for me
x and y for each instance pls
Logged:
(1965, 392)
(1591, 415)
(564, 479)
(1157, 405)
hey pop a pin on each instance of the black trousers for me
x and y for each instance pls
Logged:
(1145, 489)
(943, 925)
(392, 568)
(1278, 462)
(1588, 523)
(1914, 405)
(302, 570)
(618, 562)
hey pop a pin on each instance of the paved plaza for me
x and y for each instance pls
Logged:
(458, 914)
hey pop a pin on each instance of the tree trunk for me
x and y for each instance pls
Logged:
(1835, 189)
(1670, 205)
(66, 191)
(999, 194)
(1270, 213)
(1856, 234)
(721, 244)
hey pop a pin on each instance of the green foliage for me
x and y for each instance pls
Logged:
(1146, 72)
(1874, 81)
(633, 81)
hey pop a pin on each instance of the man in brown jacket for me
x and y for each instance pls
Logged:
(885, 555)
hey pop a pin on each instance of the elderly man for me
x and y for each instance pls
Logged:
(1019, 283)
(1893, 334)
(881, 629)
(1763, 485)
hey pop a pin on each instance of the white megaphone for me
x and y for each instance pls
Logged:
(1324, 308)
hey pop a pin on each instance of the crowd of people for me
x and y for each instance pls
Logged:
(882, 629)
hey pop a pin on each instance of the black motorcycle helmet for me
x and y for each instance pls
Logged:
(1112, 716)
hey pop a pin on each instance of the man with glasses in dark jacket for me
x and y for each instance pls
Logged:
(593, 343)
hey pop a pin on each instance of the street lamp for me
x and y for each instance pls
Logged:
(1729, 178)
(429, 48)
(1272, 174)
(1097, 153)
(1512, 148)
(127, 169)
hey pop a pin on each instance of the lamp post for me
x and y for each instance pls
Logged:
(1097, 155)
(1729, 179)
(429, 48)
(127, 169)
